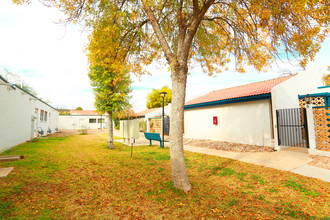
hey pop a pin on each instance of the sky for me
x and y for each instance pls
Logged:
(50, 57)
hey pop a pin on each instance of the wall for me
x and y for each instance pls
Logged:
(156, 113)
(20, 116)
(155, 125)
(81, 122)
(285, 95)
(245, 122)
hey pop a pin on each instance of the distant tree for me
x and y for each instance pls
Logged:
(326, 77)
(79, 108)
(154, 100)
(14, 78)
(124, 114)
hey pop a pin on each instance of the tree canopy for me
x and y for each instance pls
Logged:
(154, 100)
(79, 108)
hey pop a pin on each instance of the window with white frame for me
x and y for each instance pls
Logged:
(92, 120)
(41, 115)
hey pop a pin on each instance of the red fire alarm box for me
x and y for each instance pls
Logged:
(215, 120)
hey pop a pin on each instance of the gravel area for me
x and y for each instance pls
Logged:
(320, 161)
(221, 145)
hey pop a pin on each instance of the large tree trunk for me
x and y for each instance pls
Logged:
(179, 171)
(110, 131)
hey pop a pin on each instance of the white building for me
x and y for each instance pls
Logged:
(23, 116)
(83, 119)
(247, 114)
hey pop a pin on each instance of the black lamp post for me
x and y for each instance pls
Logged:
(163, 94)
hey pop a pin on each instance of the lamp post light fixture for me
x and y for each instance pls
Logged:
(163, 94)
(308, 99)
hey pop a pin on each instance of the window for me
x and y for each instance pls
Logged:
(92, 120)
(45, 118)
(100, 120)
(41, 115)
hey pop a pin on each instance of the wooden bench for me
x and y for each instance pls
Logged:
(153, 137)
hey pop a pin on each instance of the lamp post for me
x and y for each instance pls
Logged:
(163, 94)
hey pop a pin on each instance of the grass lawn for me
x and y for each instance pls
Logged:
(78, 177)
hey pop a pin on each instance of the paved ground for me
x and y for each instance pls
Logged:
(292, 159)
(5, 171)
(311, 171)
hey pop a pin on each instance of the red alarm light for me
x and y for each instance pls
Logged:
(215, 120)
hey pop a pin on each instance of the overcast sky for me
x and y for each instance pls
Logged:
(50, 58)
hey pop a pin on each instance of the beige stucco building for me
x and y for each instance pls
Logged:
(247, 114)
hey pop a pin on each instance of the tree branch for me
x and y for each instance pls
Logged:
(162, 40)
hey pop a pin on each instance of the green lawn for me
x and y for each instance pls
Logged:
(78, 177)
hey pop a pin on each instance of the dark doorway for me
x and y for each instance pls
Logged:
(292, 127)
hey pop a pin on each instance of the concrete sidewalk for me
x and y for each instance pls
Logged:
(293, 159)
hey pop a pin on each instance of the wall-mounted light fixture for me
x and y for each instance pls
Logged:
(308, 99)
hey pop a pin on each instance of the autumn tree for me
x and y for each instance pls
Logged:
(108, 72)
(154, 100)
(211, 33)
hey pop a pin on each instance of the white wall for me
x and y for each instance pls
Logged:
(20, 116)
(285, 95)
(245, 122)
(81, 122)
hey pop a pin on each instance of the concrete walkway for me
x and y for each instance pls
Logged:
(5, 171)
(293, 159)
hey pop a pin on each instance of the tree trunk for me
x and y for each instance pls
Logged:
(110, 131)
(179, 171)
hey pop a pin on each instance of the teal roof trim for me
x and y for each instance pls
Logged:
(323, 87)
(34, 96)
(6, 81)
(323, 94)
(327, 107)
(229, 101)
(3, 79)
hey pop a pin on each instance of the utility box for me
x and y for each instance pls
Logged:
(129, 129)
